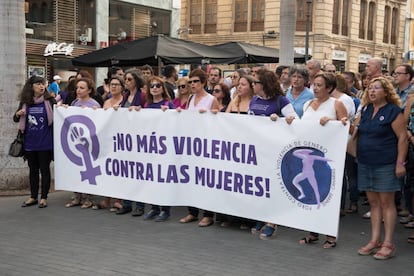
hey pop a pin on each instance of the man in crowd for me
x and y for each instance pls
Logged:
(282, 71)
(314, 68)
(171, 76)
(214, 78)
(374, 68)
(402, 78)
(54, 88)
(329, 67)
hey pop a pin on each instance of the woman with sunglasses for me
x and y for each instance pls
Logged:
(222, 94)
(158, 98)
(269, 100)
(183, 95)
(200, 101)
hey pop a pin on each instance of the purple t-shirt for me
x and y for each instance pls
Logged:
(159, 104)
(88, 103)
(38, 135)
(259, 106)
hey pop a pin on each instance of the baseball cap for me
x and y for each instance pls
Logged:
(57, 77)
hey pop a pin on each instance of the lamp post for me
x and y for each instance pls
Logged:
(308, 6)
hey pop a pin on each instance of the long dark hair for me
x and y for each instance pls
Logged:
(27, 94)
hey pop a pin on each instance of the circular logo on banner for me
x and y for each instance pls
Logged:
(81, 145)
(306, 175)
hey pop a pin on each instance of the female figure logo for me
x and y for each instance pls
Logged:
(76, 140)
(308, 172)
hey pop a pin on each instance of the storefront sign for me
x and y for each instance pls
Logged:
(338, 55)
(363, 58)
(301, 50)
(58, 49)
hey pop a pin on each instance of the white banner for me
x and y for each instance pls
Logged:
(247, 166)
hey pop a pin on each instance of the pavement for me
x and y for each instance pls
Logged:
(71, 241)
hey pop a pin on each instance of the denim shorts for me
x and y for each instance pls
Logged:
(380, 178)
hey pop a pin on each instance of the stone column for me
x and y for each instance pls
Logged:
(13, 171)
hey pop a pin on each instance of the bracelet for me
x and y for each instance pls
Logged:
(401, 163)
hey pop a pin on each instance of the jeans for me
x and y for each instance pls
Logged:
(350, 181)
(128, 204)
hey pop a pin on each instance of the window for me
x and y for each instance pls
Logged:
(335, 17)
(240, 16)
(301, 15)
(86, 21)
(394, 26)
(345, 17)
(362, 19)
(371, 23)
(39, 18)
(340, 17)
(195, 16)
(257, 19)
(387, 15)
(210, 7)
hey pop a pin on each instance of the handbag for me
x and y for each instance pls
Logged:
(352, 145)
(17, 146)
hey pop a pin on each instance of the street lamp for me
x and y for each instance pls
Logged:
(308, 13)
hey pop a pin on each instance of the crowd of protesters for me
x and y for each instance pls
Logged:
(379, 106)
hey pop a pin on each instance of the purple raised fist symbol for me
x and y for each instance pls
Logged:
(81, 143)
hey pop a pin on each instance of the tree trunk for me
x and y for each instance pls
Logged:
(287, 31)
(13, 171)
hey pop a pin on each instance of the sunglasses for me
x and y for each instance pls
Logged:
(193, 81)
(216, 91)
(182, 86)
(155, 85)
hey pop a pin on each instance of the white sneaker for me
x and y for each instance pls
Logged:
(367, 215)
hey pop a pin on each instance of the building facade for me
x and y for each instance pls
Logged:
(343, 32)
(58, 30)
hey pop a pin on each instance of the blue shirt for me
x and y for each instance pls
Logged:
(377, 142)
(403, 94)
(298, 103)
(54, 87)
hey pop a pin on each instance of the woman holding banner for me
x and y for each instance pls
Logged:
(202, 102)
(382, 149)
(323, 108)
(158, 98)
(134, 98)
(269, 100)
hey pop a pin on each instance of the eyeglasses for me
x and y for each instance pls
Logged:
(193, 81)
(114, 84)
(399, 73)
(182, 86)
(155, 85)
(216, 91)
